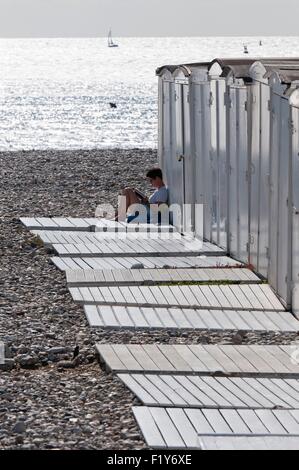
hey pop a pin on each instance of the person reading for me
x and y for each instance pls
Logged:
(135, 197)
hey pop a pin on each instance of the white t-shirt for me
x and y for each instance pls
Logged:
(160, 195)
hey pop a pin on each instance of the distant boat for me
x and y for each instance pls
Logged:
(245, 49)
(110, 40)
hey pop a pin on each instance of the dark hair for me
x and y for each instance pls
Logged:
(154, 173)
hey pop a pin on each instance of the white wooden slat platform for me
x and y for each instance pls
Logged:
(181, 428)
(195, 391)
(117, 277)
(138, 247)
(117, 317)
(249, 360)
(228, 297)
(69, 263)
(59, 223)
(89, 224)
(270, 442)
(51, 237)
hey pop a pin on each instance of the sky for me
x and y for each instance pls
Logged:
(92, 18)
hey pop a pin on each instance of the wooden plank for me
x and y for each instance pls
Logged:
(175, 358)
(184, 426)
(174, 388)
(133, 382)
(286, 390)
(109, 357)
(269, 419)
(263, 397)
(204, 354)
(239, 361)
(233, 360)
(168, 392)
(149, 429)
(239, 399)
(128, 359)
(287, 420)
(255, 425)
(59, 263)
(216, 420)
(280, 389)
(144, 359)
(180, 262)
(206, 385)
(248, 442)
(166, 426)
(190, 358)
(108, 317)
(221, 395)
(138, 318)
(30, 223)
(169, 248)
(93, 317)
(123, 317)
(235, 421)
(158, 358)
(165, 318)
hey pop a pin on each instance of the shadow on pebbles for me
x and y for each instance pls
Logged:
(54, 394)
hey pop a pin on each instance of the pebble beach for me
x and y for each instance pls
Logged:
(53, 392)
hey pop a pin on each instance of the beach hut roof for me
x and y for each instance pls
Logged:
(287, 68)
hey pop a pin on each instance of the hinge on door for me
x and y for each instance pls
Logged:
(227, 100)
(269, 105)
(211, 99)
(176, 96)
(291, 126)
(246, 106)
(188, 97)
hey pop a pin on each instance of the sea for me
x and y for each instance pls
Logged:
(56, 93)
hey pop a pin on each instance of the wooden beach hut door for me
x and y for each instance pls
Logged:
(294, 121)
(183, 155)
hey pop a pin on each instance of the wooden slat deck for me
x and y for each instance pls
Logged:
(270, 442)
(112, 277)
(148, 262)
(51, 237)
(228, 297)
(195, 391)
(89, 224)
(115, 317)
(141, 243)
(270, 361)
(127, 247)
(59, 223)
(181, 428)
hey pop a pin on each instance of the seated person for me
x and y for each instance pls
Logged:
(160, 195)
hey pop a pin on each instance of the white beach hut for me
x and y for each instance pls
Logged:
(229, 140)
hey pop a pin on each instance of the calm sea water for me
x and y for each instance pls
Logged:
(55, 93)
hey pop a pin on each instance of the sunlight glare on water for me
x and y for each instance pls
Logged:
(55, 93)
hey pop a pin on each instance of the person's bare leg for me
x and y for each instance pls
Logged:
(130, 198)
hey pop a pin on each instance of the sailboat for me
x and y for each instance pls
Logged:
(110, 40)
